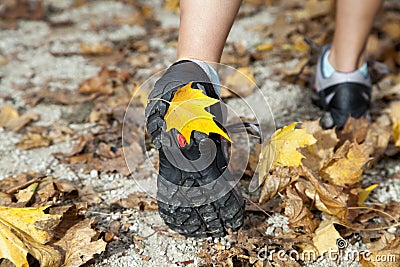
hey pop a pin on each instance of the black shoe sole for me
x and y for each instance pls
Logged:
(214, 217)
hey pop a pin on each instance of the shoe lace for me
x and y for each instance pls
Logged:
(252, 129)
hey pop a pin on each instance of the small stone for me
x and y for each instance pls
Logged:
(94, 174)
(392, 230)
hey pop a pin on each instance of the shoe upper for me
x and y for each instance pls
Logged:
(341, 94)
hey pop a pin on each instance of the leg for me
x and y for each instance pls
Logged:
(354, 19)
(205, 25)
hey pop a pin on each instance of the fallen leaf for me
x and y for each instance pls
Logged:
(364, 193)
(21, 232)
(80, 244)
(172, 5)
(11, 120)
(392, 28)
(241, 82)
(313, 9)
(139, 201)
(25, 195)
(396, 133)
(264, 47)
(276, 182)
(355, 129)
(282, 149)
(288, 71)
(186, 113)
(378, 137)
(317, 154)
(394, 112)
(326, 236)
(139, 60)
(100, 83)
(346, 165)
(299, 215)
(96, 48)
(328, 198)
(89, 195)
(22, 9)
(33, 140)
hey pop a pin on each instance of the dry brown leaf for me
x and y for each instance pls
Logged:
(328, 198)
(139, 60)
(139, 201)
(299, 215)
(99, 84)
(317, 154)
(33, 140)
(392, 28)
(80, 244)
(22, 9)
(378, 137)
(60, 133)
(5, 199)
(313, 9)
(96, 48)
(296, 70)
(326, 235)
(11, 120)
(355, 129)
(89, 195)
(25, 195)
(276, 182)
(241, 82)
(346, 165)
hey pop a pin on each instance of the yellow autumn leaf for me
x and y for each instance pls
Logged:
(394, 112)
(364, 193)
(346, 165)
(282, 148)
(326, 236)
(172, 5)
(396, 133)
(187, 113)
(264, 47)
(22, 232)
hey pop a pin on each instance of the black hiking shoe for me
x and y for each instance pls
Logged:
(341, 95)
(196, 194)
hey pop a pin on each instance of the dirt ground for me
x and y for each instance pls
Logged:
(35, 54)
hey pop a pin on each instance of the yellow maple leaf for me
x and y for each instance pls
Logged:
(346, 165)
(22, 232)
(187, 113)
(282, 148)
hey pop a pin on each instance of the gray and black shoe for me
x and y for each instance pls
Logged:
(195, 190)
(341, 94)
